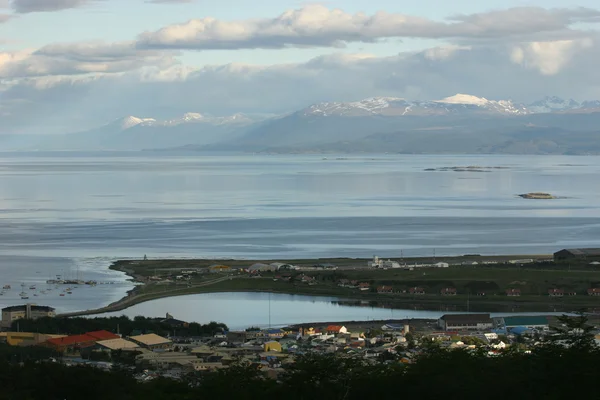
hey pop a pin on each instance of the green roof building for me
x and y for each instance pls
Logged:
(527, 321)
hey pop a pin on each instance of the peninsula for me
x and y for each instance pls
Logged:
(533, 283)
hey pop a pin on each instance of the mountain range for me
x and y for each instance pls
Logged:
(458, 124)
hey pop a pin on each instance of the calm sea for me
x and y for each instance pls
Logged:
(72, 213)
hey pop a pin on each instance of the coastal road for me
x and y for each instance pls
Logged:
(133, 299)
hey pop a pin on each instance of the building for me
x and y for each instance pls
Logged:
(219, 269)
(441, 265)
(116, 344)
(27, 311)
(152, 341)
(513, 292)
(384, 289)
(24, 339)
(364, 286)
(556, 292)
(458, 322)
(76, 343)
(335, 329)
(448, 292)
(272, 346)
(526, 321)
(577, 254)
(593, 292)
(416, 290)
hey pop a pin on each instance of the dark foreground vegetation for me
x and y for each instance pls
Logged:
(557, 369)
(124, 325)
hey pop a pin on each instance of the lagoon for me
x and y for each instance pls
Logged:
(241, 310)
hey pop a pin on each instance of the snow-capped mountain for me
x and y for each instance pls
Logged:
(187, 118)
(552, 104)
(392, 106)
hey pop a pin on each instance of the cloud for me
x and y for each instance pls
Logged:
(169, 1)
(80, 58)
(69, 103)
(29, 6)
(319, 26)
(549, 57)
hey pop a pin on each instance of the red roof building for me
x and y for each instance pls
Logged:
(448, 292)
(384, 289)
(594, 292)
(76, 342)
(513, 292)
(416, 290)
(556, 292)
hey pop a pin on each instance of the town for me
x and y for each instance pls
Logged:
(168, 347)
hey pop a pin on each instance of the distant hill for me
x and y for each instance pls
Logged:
(457, 124)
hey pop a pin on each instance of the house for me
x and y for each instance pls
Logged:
(593, 292)
(219, 269)
(416, 290)
(481, 293)
(556, 292)
(448, 292)
(384, 289)
(152, 341)
(441, 265)
(172, 322)
(577, 254)
(274, 333)
(336, 329)
(364, 286)
(272, 346)
(513, 292)
(458, 322)
(529, 322)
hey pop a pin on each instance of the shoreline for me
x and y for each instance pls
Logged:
(138, 272)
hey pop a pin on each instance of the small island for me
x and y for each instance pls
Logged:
(538, 196)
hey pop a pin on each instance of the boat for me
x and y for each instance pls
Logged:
(22, 294)
(24, 297)
(6, 287)
(35, 294)
(32, 287)
(69, 292)
(62, 295)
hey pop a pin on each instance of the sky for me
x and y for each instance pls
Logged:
(69, 65)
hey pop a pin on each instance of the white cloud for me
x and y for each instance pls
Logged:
(75, 102)
(549, 57)
(81, 58)
(317, 25)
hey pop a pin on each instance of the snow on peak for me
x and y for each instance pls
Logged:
(460, 98)
(131, 121)
(192, 116)
(553, 103)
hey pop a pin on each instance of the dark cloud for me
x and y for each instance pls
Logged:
(28, 6)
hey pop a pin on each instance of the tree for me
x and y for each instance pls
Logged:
(573, 332)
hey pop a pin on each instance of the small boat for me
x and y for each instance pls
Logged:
(69, 292)
(32, 287)
(22, 294)
(35, 294)
(6, 287)
(62, 295)
(24, 297)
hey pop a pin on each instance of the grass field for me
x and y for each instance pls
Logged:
(533, 280)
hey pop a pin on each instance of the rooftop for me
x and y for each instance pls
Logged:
(584, 252)
(525, 320)
(118, 344)
(465, 318)
(24, 307)
(150, 339)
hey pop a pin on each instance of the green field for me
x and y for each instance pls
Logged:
(533, 280)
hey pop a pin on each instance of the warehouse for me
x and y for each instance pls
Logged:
(578, 254)
(458, 322)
